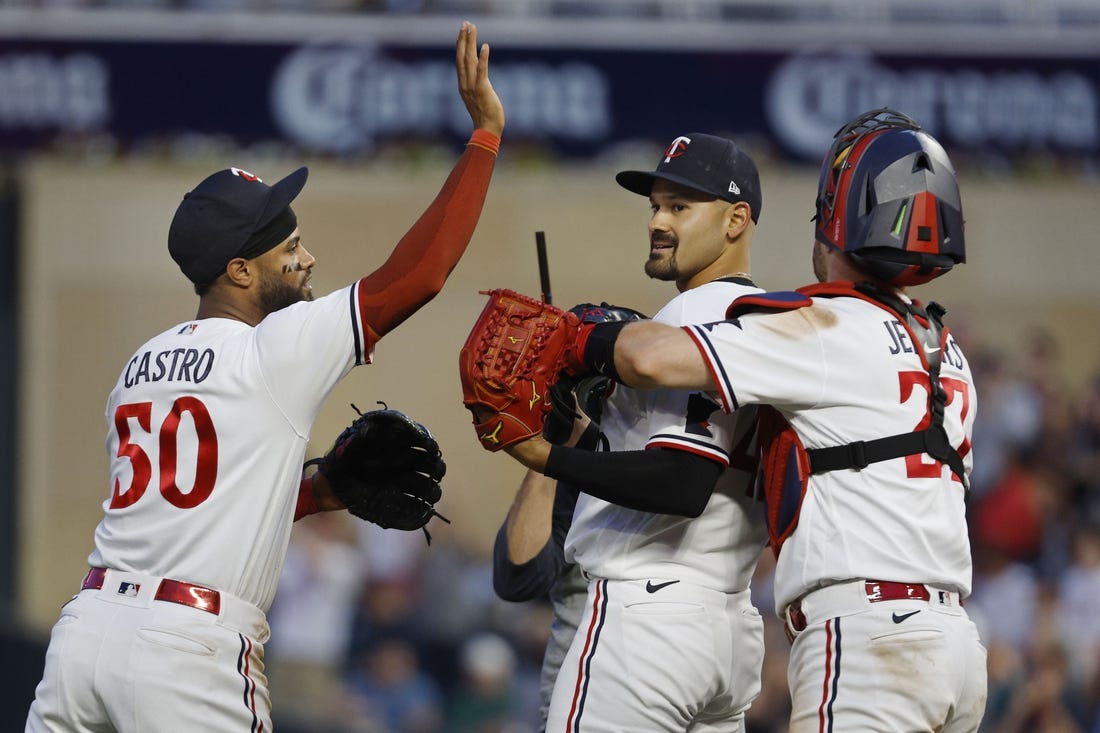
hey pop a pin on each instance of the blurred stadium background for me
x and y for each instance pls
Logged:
(110, 110)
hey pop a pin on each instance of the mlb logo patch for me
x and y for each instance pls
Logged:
(129, 589)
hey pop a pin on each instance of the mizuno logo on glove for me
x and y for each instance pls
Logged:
(494, 436)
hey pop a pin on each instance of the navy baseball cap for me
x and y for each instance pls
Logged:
(713, 165)
(232, 213)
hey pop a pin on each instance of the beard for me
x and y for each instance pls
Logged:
(659, 267)
(276, 294)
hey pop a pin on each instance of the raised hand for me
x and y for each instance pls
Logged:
(472, 65)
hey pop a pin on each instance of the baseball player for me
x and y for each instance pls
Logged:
(867, 410)
(208, 425)
(529, 563)
(665, 531)
(529, 551)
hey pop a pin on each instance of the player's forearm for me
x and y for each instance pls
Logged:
(432, 247)
(658, 481)
(532, 452)
(525, 581)
(650, 355)
(527, 526)
(640, 354)
(315, 495)
(421, 262)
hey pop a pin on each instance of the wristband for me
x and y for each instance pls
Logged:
(482, 138)
(596, 347)
(590, 438)
(556, 461)
(307, 502)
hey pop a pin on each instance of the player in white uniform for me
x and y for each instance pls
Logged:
(529, 564)
(665, 529)
(208, 425)
(867, 406)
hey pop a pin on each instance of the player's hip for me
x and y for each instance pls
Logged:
(861, 596)
(720, 573)
(921, 657)
(126, 661)
(152, 596)
(670, 583)
(654, 654)
(656, 620)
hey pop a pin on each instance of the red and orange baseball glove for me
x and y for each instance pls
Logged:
(509, 362)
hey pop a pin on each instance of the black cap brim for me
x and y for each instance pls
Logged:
(282, 193)
(641, 182)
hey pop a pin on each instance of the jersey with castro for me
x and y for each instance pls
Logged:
(208, 425)
(841, 370)
(718, 549)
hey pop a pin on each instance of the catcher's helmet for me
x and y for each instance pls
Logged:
(888, 196)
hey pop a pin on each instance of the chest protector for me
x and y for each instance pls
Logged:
(786, 465)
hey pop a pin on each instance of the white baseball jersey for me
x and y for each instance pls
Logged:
(842, 370)
(669, 639)
(718, 549)
(207, 430)
(872, 575)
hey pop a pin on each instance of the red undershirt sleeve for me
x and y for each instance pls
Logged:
(307, 503)
(421, 262)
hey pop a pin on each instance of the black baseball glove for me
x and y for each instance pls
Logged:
(605, 313)
(385, 467)
(589, 393)
(589, 390)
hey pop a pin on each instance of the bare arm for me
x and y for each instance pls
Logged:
(649, 355)
(528, 524)
(472, 65)
(527, 527)
(322, 494)
(315, 495)
(529, 550)
(533, 453)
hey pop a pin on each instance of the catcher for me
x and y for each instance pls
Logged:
(384, 468)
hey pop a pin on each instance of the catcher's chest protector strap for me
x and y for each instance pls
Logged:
(786, 464)
(926, 328)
